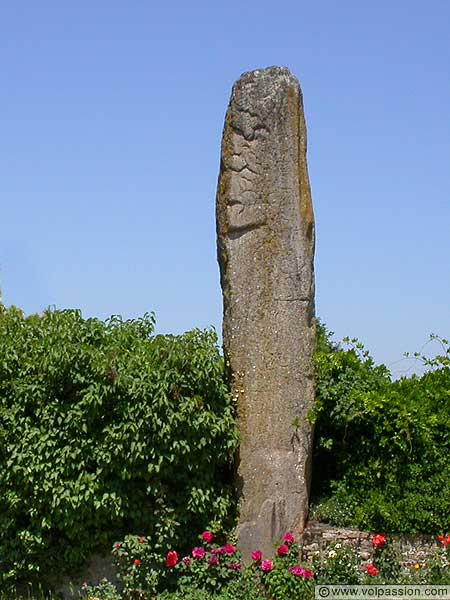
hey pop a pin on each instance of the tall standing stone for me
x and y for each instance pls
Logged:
(265, 229)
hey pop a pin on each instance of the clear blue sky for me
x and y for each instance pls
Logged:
(111, 119)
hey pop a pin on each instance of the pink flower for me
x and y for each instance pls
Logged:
(213, 560)
(217, 551)
(207, 537)
(256, 555)
(288, 538)
(266, 566)
(378, 540)
(136, 562)
(371, 569)
(299, 571)
(283, 550)
(229, 549)
(198, 552)
(141, 539)
(171, 558)
(234, 566)
(186, 561)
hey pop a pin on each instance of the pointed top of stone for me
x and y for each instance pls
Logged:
(265, 81)
(269, 72)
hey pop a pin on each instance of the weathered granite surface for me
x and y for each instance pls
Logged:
(265, 230)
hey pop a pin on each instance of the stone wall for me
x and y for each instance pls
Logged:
(317, 536)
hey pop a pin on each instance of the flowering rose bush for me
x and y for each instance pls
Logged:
(139, 567)
(211, 569)
(283, 578)
(386, 559)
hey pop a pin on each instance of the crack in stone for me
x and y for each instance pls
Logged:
(237, 232)
(234, 202)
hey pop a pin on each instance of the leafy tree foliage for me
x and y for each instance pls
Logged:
(106, 429)
(382, 447)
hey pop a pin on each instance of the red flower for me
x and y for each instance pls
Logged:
(207, 537)
(443, 540)
(378, 540)
(256, 555)
(171, 558)
(299, 571)
(136, 562)
(198, 553)
(186, 560)
(229, 549)
(234, 566)
(266, 566)
(283, 550)
(288, 538)
(141, 539)
(213, 560)
(371, 569)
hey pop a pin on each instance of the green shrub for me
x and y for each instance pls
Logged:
(382, 447)
(105, 590)
(211, 570)
(106, 429)
(336, 564)
(243, 588)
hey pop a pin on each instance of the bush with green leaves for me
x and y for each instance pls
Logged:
(107, 429)
(104, 590)
(277, 578)
(382, 446)
(336, 564)
(211, 569)
(242, 588)
(283, 578)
